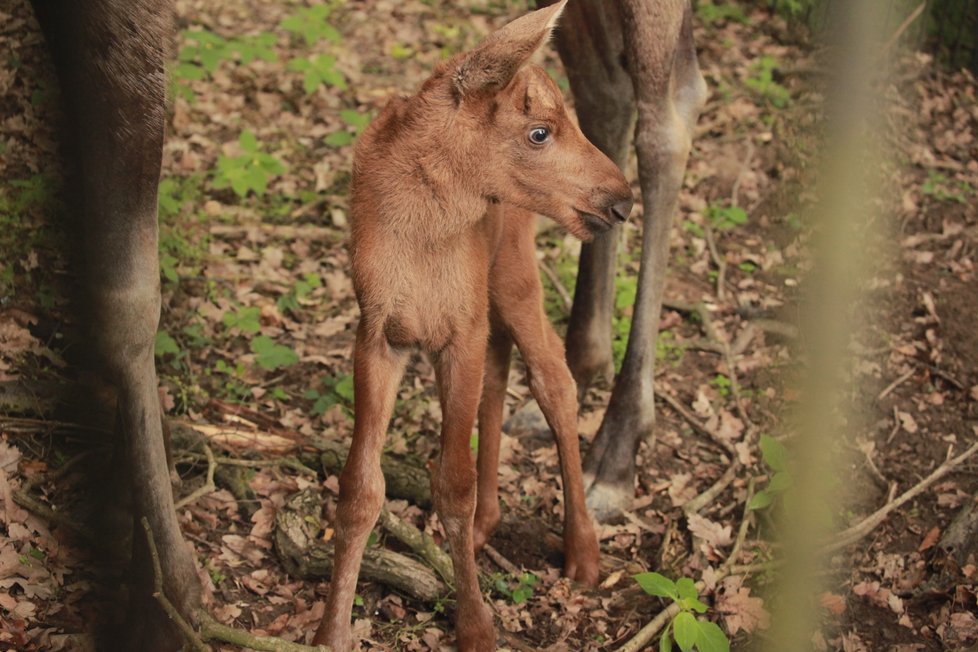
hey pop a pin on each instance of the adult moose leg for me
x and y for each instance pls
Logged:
(591, 46)
(109, 56)
(670, 91)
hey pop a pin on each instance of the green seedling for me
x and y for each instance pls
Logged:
(774, 455)
(249, 172)
(688, 631)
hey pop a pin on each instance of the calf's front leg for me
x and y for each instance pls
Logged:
(377, 371)
(459, 368)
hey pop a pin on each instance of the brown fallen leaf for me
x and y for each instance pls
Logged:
(833, 602)
(930, 539)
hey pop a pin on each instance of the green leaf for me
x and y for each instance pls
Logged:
(248, 141)
(339, 139)
(355, 118)
(270, 355)
(687, 588)
(710, 638)
(245, 319)
(693, 604)
(773, 452)
(761, 500)
(521, 594)
(165, 344)
(779, 482)
(686, 630)
(658, 585)
(665, 643)
(344, 388)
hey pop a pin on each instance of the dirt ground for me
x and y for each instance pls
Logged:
(255, 346)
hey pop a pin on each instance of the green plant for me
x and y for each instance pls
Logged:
(249, 172)
(626, 288)
(943, 189)
(180, 247)
(775, 456)
(517, 589)
(299, 292)
(711, 12)
(725, 218)
(271, 356)
(312, 23)
(688, 631)
(762, 82)
(722, 384)
(246, 319)
(353, 119)
(317, 71)
(336, 391)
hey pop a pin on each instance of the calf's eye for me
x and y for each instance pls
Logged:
(539, 135)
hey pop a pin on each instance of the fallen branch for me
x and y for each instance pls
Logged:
(562, 292)
(697, 424)
(892, 386)
(286, 462)
(402, 480)
(718, 260)
(306, 553)
(188, 632)
(208, 485)
(868, 524)
(501, 561)
(698, 503)
(420, 543)
(211, 630)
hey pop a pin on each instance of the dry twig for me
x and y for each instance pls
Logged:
(868, 524)
(208, 485)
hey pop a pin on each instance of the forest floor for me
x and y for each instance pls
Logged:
(254, 350)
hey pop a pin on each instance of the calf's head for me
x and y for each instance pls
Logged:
(514, 130)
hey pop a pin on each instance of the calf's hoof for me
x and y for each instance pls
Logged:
(581, 558)
(474, 630)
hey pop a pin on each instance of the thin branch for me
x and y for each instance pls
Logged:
(212, 630)
(718, 260)
(892, 386)
(698, 503)
(697, 424)
(565, 296)
(420, 543)
(208, 485)
(903, 28)
(500, 560)
(742, 532)
(287, 462)
(188, 632)
(867, 525)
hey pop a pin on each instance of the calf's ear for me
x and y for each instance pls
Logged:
(492, 65)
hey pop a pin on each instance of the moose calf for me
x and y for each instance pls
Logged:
(444, 187)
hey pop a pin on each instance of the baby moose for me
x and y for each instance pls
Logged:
(445, 184)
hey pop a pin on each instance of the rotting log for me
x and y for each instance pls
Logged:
(403, 480)
(305, 554)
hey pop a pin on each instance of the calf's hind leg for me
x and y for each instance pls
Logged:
(490, 428)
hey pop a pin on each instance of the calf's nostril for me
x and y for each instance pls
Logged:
(622, 210)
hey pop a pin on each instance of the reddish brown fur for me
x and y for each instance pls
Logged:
(442, 247)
